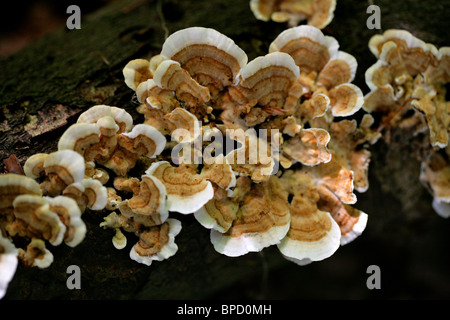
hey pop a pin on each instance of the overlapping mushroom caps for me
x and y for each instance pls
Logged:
(408, 91)
(318, 13)
(294, 94)
(27, 214)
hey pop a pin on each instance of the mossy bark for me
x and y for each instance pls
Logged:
(46, 86)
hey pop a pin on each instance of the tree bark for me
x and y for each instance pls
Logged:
(46, 86)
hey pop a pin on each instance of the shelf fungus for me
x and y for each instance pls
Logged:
(408, 92)
(278, 114)
(8, 263)
(318, 13)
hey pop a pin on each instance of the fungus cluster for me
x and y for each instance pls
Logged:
(408, 93)
(288, 180)
(297, 193)
(318, 13)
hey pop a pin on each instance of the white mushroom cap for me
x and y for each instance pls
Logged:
(8, 263)
(247, 242)
(35, 212)
(302, 252)
(167, 250)
(179, 202)
(357, 229)
(98, 191)
(77, 132)
(76, 229)
(150, 132)
(70, 160)
(34, 164)
(199, 35)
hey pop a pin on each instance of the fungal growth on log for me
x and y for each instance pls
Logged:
(287, 180)
(408, 93)
(317, 13)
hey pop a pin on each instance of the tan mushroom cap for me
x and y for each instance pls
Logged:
(211, 58)
(169, 75)
(309, 147)
(351, 221)
(34, 166)
(219, 212)
(183, 125)
(220, 172)
(156, 244)
(155, 97)
(308, 46)
(143, 140)
(262, 220)
(13, 185)
(36, 254)
(415, 53)
(318, 13)
(148, 205)
(345, 99)
(186, 191)
(82, 138)
(136, 71)
(340, 69)
(122, 118)
(313, 234)
(435, 174)
(70, 215)
(255, 159)
(34, 219)
(62, 168)
(268, 81)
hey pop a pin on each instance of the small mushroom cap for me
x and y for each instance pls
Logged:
(68, 165)
(8, 263)
(122, 118)
(183, 125)
(210, 57)
(309, 147)
(34, 166)
(157, 244)
(345, 99)
(148, 205)
(70, 214)
(219, 172)
(352, 222)
(186, 192)
(12, 185)
(319, 13)
(340, 69)
(143, 140)
(268, 80)
(35, 212)
(95, 193)
(218, 213)
(169, 75)
(308, 46)
(262, 220)
(36, 254)
(136, 71)
(81, 137)
(313, 234)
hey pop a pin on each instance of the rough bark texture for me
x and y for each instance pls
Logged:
(46, 86)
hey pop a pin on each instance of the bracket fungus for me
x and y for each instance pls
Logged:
(318, 13)
(201, 88)
(295, 92)
(408, 92)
